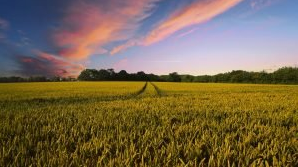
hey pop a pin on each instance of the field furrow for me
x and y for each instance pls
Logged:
(148, 124)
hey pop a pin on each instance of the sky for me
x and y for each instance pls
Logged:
(198, 37)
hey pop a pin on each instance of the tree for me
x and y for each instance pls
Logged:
(142, 76)
(187, 78)
(103, 75)
(123, 75)
(152, 77)
(174, 77)
(286, 75)
(112, 74)
(88, 75)
(37, 79)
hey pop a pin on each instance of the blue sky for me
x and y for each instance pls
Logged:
(156, 36)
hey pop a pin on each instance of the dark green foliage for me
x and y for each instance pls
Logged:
(111, 75)
(174, 77)
(12, 79)
(35, 79)
(285, 75)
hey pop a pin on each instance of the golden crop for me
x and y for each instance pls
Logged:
(153, 124)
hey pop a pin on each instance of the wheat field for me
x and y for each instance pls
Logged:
(148, 124)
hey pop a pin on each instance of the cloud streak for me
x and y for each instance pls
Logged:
(46, 64)
(196, 13)
(90, 25)
(4, 24)
(260, 4)
(84, 30)
(125, 46)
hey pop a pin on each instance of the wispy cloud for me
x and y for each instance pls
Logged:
(37, 62)
(196, 13)
(187, 33)
(90, 25)
(84, 30)
(260, 4)
(4, 24)
(126, 45)
(47, 65)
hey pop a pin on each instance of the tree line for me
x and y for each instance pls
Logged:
(285, 75)
(111, 75)
(35, 79)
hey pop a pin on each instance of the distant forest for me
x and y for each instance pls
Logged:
(285, 75)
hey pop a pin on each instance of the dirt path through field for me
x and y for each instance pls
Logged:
(71, 100)
(149, 89)
(158, 91)
(142, 90)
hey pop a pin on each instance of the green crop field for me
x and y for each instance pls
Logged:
(148, 124)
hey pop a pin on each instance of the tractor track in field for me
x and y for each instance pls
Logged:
(77, 99)
(156, 88)
(141, 91)
(71, 100)
(158, 91)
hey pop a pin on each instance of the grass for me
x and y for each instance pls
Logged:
(153, 124)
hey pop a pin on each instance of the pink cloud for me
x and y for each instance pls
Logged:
(47, 64)
(126, 45)
(88, 26)
(27, 60)
(196, 13)
(187, 33)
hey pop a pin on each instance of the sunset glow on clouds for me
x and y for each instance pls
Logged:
(65, 35)
(49, 65)
(195, 13)
(87, 27)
